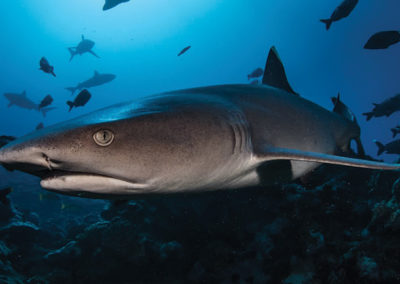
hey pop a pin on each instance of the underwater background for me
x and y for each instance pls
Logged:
(341, 226)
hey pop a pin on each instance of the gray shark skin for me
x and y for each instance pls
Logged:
(85, 46)
(201, 139)
(97, 80)
(209, 138)
(342, 11)
(22, 101)
(112, 3)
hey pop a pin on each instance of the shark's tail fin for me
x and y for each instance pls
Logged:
(70, 104)
(72, 52)
(327, 22)
(369, 115)
(381, 147)
(394, 131)
(71, 89)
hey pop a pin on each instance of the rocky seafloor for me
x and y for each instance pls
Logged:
(339, 225)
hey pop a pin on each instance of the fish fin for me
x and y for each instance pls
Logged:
(70, 104)
(10, 104)
(72, 52)
(24, 93)
(92, 52)
(71, 89)
(274, 72)
(83, 37)
(327, 22)
(360, 147)
(369, 115)
(394, 131)
(381, 147)
(274, 153)
(44, 111)
(96, 73)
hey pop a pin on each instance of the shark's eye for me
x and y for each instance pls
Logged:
(103, 137)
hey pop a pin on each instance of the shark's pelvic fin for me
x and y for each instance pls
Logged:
(92, 52)
(274, 72)
(273, 153)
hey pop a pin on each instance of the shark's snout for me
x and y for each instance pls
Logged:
(26, 159)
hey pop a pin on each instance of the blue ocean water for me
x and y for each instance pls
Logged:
(138, 41)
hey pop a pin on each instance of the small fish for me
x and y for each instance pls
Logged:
(395, 130)
(47, 100)
(342, 11)
(48, 196)
(184, 50)
(255, 74)
(382, 40)
(390, 148)
(39, 126)
(6, 139)
(46, 67)
(386, 108)
(70, 207)
(3, 195)
(81, 100)
(343, 110)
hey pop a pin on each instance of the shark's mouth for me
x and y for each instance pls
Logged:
(88, 184)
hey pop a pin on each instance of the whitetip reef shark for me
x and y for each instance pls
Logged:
(201, 139)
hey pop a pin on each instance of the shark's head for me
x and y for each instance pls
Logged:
(90, 153)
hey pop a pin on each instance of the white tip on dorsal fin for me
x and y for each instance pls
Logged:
(274, 72)
(272, 153)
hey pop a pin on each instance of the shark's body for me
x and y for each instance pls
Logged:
(22, 101)
(97, 80)
(209, 138)
(84, 46)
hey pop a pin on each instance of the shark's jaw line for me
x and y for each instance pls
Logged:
(73, 182)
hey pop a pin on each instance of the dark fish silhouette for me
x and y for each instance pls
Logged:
(390, 148)
(46, 67)
(255, 74)
(4, 139)
(184, 50)
(84, 46)
(342, 11)
(97, 80)
(382, 40)
(386, 108)
(47, 100)
(39, 126)
(112, 3)
(344, 111)
(81, 100)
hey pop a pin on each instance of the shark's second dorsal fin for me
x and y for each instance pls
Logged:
(96, 73)
(274, 72)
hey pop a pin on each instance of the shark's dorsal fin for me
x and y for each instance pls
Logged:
(273, 153)
(24, 93)
(96, 73)
(83, 37)
(274, 72)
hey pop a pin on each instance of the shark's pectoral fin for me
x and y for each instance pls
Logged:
(92, 52)
(272, 153)
(274, 72)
